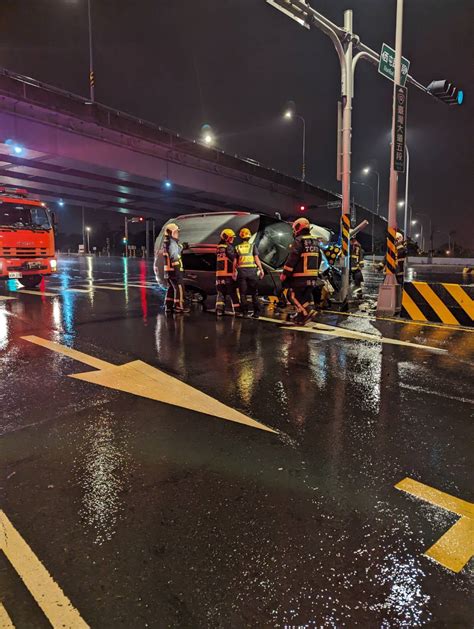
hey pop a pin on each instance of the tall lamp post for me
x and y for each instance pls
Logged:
(367, 170)
(289, 114)
(88, 231)
(365, 185)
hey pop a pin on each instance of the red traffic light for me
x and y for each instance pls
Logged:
(141, 219)
(302, 208)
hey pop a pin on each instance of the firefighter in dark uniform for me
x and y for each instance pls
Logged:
(225, 284)
(301, 271)
(401, 246)
(248, 270)
(174, 270)
(357, 257)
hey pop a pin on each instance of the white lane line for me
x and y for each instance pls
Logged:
(438, 393)
(5, 298)
(44, 293)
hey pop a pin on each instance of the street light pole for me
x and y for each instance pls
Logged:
(368, 170)
(88, 230)
(360, 183)
(389, 292)
(407, 178)
(91, 56)
(290, 113)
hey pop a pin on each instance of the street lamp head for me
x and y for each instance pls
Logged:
(417, 235)
(414, 221)
(208, 139)
(288, 114)
(401, 203)
(366, 170)
(88, 229)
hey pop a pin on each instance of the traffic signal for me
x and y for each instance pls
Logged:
(302, 208)
(124, 240)
(446, 92)
(140, 220)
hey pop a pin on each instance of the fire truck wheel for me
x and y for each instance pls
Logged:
(31, 281)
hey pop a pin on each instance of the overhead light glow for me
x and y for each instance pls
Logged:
(18, 150)
(366, 170)
(167, 184)
(61, 203)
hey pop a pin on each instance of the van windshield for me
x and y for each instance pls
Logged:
(275, 238)
(21, 216)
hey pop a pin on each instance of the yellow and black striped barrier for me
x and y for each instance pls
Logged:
(346, 233)
(391, 257)
(440, 302)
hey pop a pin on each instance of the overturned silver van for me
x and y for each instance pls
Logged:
(201, 233)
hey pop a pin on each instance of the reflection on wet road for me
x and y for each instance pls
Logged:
(149, 511)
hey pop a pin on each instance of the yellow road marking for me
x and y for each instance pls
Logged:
(55, 605)
(106, 288)
(334, 330)
(5, 621)
(5, 298)
(67, 351)
(400, 321)
(435, 302)
(38, 293)
(456, 547)
(462, 298)
(412, 308)
(145, 381)
(360, 336)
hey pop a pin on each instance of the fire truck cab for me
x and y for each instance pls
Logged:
(27, 247)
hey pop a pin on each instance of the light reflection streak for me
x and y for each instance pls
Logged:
(102, 468)
(3, 328)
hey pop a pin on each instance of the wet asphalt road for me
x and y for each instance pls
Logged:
(151, 515)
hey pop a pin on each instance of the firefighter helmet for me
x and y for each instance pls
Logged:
(300, 224)
(227, 234)
(245, 233)
(171, 227)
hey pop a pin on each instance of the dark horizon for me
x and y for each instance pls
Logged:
(234, 65)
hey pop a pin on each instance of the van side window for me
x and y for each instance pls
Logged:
(199, 261)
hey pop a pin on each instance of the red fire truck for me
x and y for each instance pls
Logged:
(27, 249)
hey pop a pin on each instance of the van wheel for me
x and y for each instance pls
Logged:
(31, 281)
(192, 295)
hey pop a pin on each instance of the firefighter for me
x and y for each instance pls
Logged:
(401, 246)
(225, 283)
(301, 271)
(174, 270)
(247, 270)
(357, 257)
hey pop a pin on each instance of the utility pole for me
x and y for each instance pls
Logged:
(147, 239)
(91, 55)
(389, 300)
(83, 230)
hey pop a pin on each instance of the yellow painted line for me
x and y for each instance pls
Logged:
(361, 336)
(67, 351)
(5, 620)
(55, 605)
(435, 302)
(38, 293)
(334, 330)
(5, 298)
(106, 288)
(456, 547)
(462, 298)
(399, 320)
(141, 379)
(412, 308)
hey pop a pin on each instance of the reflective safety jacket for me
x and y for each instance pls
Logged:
(246, 255)
(357, 256)
(172, 256)
(225, 259)
(304, 259)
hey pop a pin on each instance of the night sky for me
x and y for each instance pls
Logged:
(235, 63)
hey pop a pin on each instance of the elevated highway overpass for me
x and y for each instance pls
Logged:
(58, 145)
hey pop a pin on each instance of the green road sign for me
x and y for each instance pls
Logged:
(387, 64)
